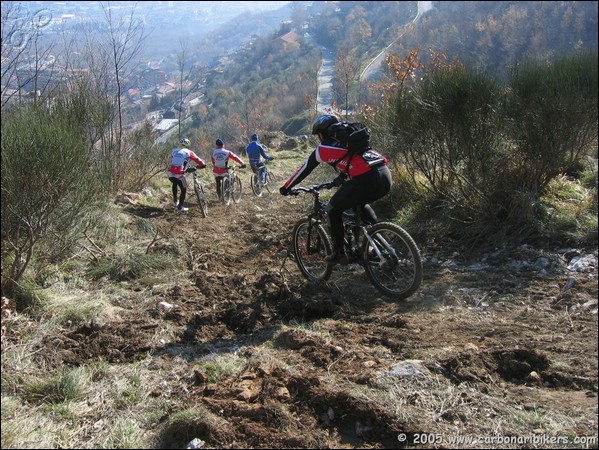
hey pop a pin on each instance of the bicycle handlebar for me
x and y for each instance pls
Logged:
(193, 169)
(314, 189)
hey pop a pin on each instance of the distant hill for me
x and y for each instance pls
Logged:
(237, 32)
(490, 35)
(494, 35)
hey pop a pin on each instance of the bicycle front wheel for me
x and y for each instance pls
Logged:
(256, 185)
(310, 246)
(271, 182)
(392, 261)
(236, 189)
(201, 196)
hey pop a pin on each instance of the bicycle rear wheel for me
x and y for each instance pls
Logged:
(310, 246)
(256, 185)
(392, 261)
(236, 189)
(271, 182)
(201, 196)
(226, 191)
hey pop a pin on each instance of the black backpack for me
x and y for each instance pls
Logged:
(354, 136)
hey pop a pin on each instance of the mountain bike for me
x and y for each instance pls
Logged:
(388, 254)
(231, 186)
(263, 179)
(199, 190)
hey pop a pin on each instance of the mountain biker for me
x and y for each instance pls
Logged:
(368, 179)
(220, 160)
(176, 171)
(257, 154)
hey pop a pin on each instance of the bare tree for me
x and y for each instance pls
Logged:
(251, 112)
(345, 70)
(125, 42)
(43, 67)
(185, 76)
(23, 55)
(357, 27)
(125, 39)
(14, 45)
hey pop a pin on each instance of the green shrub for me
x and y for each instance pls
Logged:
(48, 195)
(553, 112)
(481, 155)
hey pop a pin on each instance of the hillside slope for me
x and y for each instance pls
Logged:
(506, 345)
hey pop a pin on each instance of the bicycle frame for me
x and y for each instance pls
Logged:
(262, 178)
(231, 187)
(352, 222)
(199, 190)
(386, 251)
(231, 174)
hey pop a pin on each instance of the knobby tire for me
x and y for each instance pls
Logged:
(225, 191)
(398, 274)
(201, 196)
(271, 182)
(256, 185)
(236, 190)
(311, 245)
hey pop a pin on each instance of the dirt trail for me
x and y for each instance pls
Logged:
(338, 365)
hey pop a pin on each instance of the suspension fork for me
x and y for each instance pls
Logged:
(314, 218)
(313, 221)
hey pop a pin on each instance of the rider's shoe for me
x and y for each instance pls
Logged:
(175, 204)
(181, 209)
(337, 258)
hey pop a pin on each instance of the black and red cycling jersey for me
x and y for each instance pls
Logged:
(338, 157)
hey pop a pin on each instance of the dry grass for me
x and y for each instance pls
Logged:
(155, 402)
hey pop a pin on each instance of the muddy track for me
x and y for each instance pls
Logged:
(323, 363)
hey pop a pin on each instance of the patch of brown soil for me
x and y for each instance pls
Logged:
(506, 333)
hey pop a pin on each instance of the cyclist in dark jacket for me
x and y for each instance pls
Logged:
(368, 179)
(256, 154)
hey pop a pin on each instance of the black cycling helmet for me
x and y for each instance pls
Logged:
(323, 122)
(219, 143)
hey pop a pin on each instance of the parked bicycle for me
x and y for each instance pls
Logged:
(199, 190)
(263, 179)
(231, 186)
(389, 255)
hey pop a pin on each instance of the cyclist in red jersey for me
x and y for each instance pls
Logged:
(363, 179)
(220, 160)
(176, 171)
